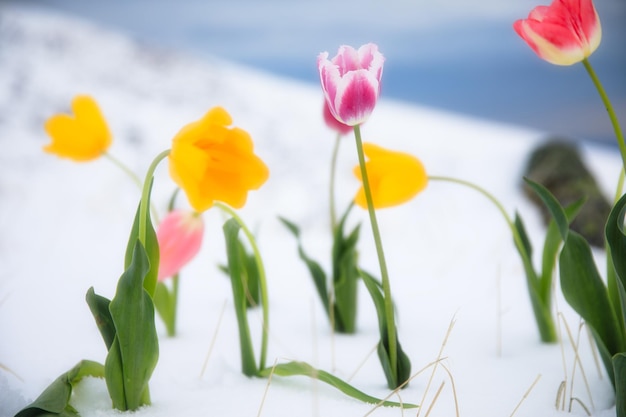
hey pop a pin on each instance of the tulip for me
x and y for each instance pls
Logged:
(351, 82)
(564, 33)
(83, 137)
(394, 177)
(212, 162)
(180, 238)
(334, 124)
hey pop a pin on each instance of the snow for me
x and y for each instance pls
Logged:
(64, 228)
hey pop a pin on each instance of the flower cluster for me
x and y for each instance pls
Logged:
(215, 165)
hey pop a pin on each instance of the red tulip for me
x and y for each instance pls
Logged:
(564, 33)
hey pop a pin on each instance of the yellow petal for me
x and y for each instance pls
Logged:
(83, 137)
(394, 177)
(212, 161)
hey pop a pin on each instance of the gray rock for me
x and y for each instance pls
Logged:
(557, 165)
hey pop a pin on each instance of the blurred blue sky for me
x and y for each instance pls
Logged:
(458, 55)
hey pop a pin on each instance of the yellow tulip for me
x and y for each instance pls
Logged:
(394, 177)
(211, 162)
(82, 137)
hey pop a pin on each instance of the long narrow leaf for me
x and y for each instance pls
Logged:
(619, 367)
(316, 271)
(345, 277)
(151, 247)
(99, 307)
(552, 244)
(296, 368)
(617, 245)
(395, 377)
(540, 284)
(163, 304)
(553, 206)
(135, 350)
(231, 235)
(524, 247)
(585, 291)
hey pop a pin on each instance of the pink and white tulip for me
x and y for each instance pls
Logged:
(564, 33)
(351, 82)
(180, 238)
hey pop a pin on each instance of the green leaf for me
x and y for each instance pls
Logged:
(540, 297)
(524, 247)
(553, 206)
(164, 303)
(616, 241)
(55, 399)
(250, 271)
(619, 368)
(296, 368)
(316, 271)
(552, 244)
(231, 234)
(402, 373)
(99, 307)
(135, 349)
(540, 285)
(252, 276)
(585, 291)
(151, 248)
(345, 277)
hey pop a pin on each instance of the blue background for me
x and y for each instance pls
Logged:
(458, 55)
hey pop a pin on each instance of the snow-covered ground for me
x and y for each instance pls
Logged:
(63, 229)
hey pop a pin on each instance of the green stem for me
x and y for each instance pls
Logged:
(145, 196)
(333, 169)
(539, 289)
(171, 320)
(262, 280)
(124, 168)
(483, 192)
(391, 327)
(609, 108)
(133, 177)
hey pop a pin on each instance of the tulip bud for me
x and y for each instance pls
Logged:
(180, 237)
(394, 177)
(351, 82)
(82, 137)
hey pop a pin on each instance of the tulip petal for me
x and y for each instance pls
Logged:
(211, 162)
(564, 33)
(356, 97)
(394, 177)
(351, 82)
(83, 137)
(180, 238)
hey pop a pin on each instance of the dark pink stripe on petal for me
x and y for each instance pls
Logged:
(358, 98)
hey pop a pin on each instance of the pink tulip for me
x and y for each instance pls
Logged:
(180, 237)
(351, 82)
(333, 123)
(564, 33)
